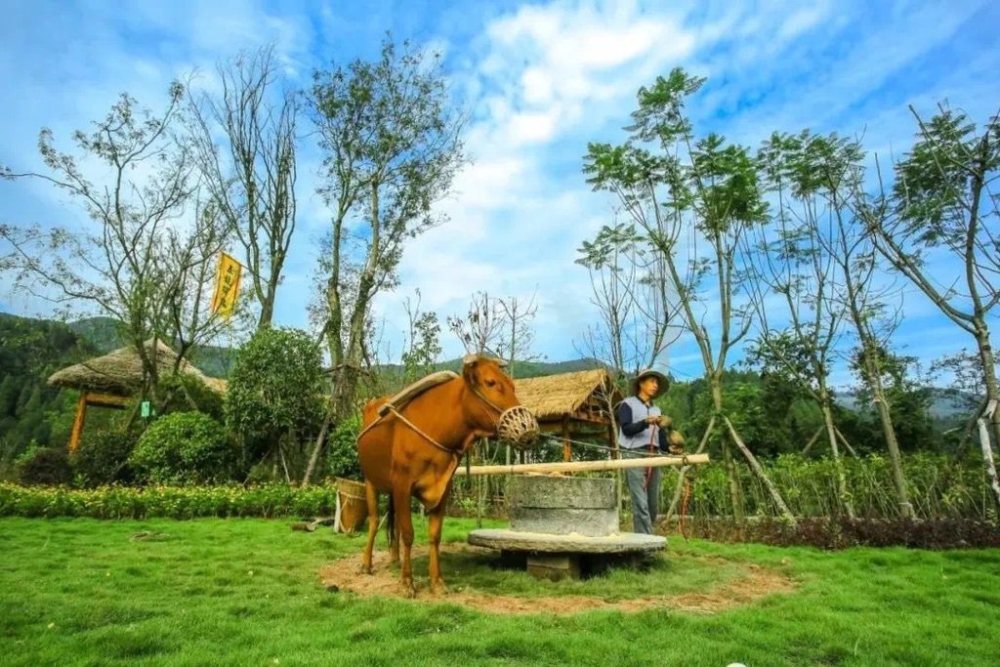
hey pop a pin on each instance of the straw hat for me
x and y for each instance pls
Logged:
(649, 372)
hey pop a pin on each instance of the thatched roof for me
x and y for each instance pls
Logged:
(582, 394)
(120, 372)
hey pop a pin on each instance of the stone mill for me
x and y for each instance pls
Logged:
(565, 527)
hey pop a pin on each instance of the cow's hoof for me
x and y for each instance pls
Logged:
(409, 590)
(366, 569)
(438, 587)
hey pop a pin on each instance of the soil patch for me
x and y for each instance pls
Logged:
(754, 583)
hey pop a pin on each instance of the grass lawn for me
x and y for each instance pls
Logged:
(248, 592)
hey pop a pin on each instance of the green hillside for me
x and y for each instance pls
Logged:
(30, 410)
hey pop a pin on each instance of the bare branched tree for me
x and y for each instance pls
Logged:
(482, 329)
(251, 176)
(519, 335)
(134, 259)
(630, 290)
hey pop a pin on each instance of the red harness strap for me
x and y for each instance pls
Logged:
(652, 451)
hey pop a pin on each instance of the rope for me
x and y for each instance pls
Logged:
(635, 453)
(652, 451)
(416, 429)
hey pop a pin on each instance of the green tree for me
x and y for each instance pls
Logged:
(690, 188)
(942, 206)
(391, 149)
(810, 177)
(274, 402)
(184, 448)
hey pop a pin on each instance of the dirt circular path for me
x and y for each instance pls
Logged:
(754, 583)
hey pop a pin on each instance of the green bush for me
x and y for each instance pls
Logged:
(113, 502)
(342, 455)
(103, 458)
(275, 397)
(181, 390)
(184, 448)
(45, 465)
(938, 486)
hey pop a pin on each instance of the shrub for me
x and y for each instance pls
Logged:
(342, 456)
(44, 466)
(276, 386)
(842, 533)
(103, 458)
(112, 502)
(179, 391)
(184, 448)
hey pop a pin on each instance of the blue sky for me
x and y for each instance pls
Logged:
(540, 81)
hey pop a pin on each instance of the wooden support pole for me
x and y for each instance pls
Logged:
(585, 466)
(812, 441)
(78, 420)
(567, 447)
(843, 441)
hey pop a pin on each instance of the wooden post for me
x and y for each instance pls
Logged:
(81, 416)
(567, 447)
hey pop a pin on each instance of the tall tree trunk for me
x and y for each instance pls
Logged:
(984, 441)
(266, 311)
(992, 403)
(989, 373)
(831, 433)
(735, 495)
(889, 433)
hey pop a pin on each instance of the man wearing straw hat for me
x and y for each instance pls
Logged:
(642, 428)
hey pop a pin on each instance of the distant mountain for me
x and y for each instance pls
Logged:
(101, 332)
(522, 369)
(946, 404)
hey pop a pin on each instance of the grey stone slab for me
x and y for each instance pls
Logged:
(590, 522)
(548, 491)
(512, 541)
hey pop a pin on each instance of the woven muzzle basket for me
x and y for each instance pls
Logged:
(518, 427)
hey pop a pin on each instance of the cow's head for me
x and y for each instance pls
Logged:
(494, 405)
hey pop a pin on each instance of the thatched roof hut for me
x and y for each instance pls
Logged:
(585, 396)
(120, 373)
(573, 404)
(109, 380)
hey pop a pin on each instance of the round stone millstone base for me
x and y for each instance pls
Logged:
(515, 540)
(567, 556)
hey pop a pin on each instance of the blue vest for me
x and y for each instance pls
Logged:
(639, 413)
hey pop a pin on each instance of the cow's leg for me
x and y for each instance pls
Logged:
(371, 498)
(435, 520)
(404, 532)
(394, 539)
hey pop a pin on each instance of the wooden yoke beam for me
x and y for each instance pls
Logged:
(585, 466)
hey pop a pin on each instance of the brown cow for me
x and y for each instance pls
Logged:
(414, 452)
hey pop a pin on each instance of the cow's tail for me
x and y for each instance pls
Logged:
(390, 521)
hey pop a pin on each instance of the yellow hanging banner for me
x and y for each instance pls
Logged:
(227, 286)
